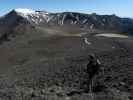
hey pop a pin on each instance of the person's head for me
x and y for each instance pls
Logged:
(92, 59)
(91, 56)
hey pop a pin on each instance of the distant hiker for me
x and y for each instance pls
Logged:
(93, 67)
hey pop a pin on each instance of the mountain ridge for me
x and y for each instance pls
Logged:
(18, 20)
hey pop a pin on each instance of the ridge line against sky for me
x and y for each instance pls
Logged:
(121, 8)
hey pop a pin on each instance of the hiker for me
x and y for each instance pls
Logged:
(93, 67)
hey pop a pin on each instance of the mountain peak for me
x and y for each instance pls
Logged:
(30, 15)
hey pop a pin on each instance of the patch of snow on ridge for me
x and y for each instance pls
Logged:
(112, 35)
(25, 11)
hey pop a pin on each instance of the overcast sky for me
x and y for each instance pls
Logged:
(122, 8)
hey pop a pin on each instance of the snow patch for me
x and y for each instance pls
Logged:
(25, 11)
(112, 35)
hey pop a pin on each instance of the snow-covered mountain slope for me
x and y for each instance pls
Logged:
(25, 11)
(33, 16)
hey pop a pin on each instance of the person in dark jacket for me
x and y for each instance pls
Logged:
(93, 68)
